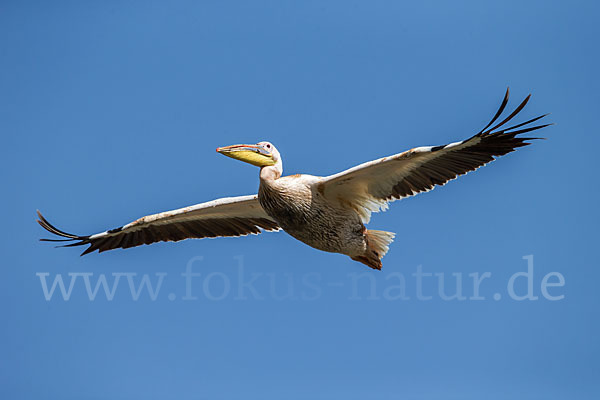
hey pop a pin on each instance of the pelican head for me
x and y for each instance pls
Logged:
(262, 154)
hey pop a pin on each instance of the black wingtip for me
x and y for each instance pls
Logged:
(524, 123)
(525, 130)
(511, 116)
(499, 112)
(54, 230)
(87, 251)
(499, 129)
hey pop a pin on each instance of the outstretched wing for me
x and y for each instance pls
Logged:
(231, 216)
(370, 186)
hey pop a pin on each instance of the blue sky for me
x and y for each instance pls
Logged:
(112, 110)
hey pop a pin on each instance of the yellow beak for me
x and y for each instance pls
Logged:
(250, 153)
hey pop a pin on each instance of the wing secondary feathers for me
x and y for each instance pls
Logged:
(232, 216)
(370, 186)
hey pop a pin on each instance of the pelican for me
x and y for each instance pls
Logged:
(327, 213)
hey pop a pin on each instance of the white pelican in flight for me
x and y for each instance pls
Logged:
(328, 213)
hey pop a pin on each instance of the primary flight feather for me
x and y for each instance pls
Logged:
(327, 213)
